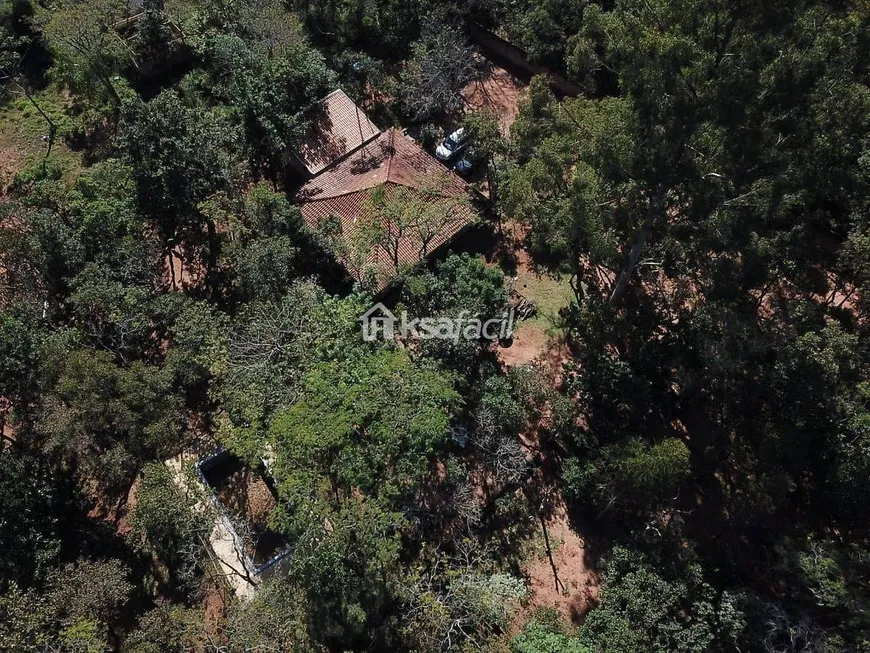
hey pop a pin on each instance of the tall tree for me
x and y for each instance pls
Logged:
(268, 96)
(701, 216)
(105, 419)
(88, 51)
(440, 66)
(397, 218)
(179, 156)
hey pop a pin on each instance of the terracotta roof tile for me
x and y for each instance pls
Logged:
(339, 126)
(396, 163)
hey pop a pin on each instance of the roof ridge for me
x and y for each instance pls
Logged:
(392, 132)
(417, 188)
(336, 127)
(368, 188)
(359, 148)
(337, 195)
(379, 166)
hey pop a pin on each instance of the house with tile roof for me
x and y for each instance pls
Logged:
(381, 201)
(338, 127)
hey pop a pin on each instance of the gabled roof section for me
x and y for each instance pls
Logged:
(399, 166)
(391, 157)
(338, 127)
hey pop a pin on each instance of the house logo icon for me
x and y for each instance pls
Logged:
(377, 322)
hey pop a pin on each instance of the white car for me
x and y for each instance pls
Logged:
(452, 145)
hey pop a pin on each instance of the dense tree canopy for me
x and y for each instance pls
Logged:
(692, 227)
(692, 211)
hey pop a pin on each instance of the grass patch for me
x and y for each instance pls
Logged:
(22, 131)
(550, 295)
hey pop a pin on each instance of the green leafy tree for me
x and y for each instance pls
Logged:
(349, 454)
(20, 338)
(543, 638)
(111, 314)
(96, 591)
(106, 420)
(542, 29)
(9, 40)
(830, 575)
(269, 349)
(459, 283)
(459, 601)
(265, 26)
(166, 521)
(152, 29)
(384, 30)
(631, 474)
(79, 608)
(642, 609)
(179, 156)
(38, 506)
(264, 233)
(461, 287)
(168, 628)
(561, 196)
(275, 617)
(370, 423)
(346, 565)
(88, 52)
(269, 96)
(68, 226)
(26, 620)
(489, 146)
(197, 344)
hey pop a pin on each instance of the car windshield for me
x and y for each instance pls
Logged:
(449, 143)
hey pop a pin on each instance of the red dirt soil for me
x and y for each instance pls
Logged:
(529, 345)
(215, 611)
(500, 92)
(246, 494)
(10, 164)
(576, 590)
(176, 274)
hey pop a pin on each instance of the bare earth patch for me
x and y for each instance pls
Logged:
(532, 345)
(567, 583)
(540, 339)
(10, 164)
(178, 275)
(215, 610)
(259, 502)
(246, 494)
(498, 91)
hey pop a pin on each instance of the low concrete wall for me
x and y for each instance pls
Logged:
(516, 61)
(223, 539)
(240, 572)
(202, 468)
